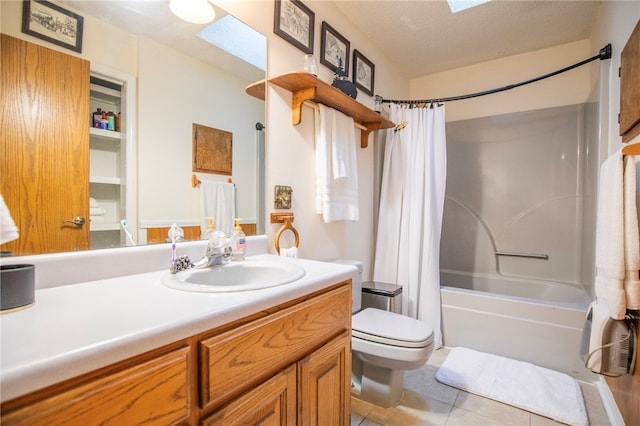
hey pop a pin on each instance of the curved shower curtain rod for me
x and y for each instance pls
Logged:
(605, 53)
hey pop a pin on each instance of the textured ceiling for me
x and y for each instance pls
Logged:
(423, 37)
(419, 36)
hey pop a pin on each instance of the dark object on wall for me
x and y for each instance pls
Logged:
(52, 23)
(17, 286)
(294, 22)
(341, 81)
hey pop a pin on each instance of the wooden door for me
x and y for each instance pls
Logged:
(44, 153)
(324, 384)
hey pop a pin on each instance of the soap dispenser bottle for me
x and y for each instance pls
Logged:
(210, 229)
(238, 243)
(215, 236)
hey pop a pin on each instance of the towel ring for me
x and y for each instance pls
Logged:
(287, 225)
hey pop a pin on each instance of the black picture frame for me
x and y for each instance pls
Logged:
(52, 23)
(363, 72)
(294, 22)
(333, 47)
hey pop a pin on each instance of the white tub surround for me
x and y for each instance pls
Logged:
(74, 329)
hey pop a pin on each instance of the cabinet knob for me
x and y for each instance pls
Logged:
(76, 221)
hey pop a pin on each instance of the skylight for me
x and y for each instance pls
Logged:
(237, 38)
(459, 5)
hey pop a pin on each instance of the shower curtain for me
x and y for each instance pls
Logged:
(411, 206)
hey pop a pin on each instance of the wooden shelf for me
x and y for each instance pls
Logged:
(306, 87)
(257, 89)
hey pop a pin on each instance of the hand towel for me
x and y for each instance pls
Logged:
(93, 202)
(289, 252)
(218, 200)
(8, 228)
(617, 259)
(336, 166)
(96, 219)
(97, 211)
(631, 239)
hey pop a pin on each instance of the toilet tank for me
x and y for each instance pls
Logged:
(356, 286)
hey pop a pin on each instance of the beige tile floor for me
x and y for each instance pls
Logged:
(428, 402)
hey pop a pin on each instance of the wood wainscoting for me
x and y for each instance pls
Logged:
(191, 233)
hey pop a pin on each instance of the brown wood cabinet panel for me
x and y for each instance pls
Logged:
(271, 403)
(44, 154)
(237, 360)
(324, 380)
(630, 87)
(155, 392)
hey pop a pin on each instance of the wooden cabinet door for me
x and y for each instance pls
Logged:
(272, 403)
(156, 392)
(44, 146)
(324, 384)
(630, 87)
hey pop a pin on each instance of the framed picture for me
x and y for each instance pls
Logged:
(294, 22)
(334, 48)
(363, 72)
(50, 22)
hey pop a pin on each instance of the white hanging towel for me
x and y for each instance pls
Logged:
(218, 200)
(8, 228)
(289, 252)
(336, 166)
(617, 251)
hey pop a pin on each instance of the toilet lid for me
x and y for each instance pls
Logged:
(390, 328)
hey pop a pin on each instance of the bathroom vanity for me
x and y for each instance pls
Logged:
(129, 350)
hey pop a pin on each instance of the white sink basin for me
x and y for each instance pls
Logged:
(235, 276)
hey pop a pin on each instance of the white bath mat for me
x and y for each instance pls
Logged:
(521, 384)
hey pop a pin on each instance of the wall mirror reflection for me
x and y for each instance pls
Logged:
(154, 75)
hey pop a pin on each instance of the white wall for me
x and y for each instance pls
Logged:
(565, 89)
(290, 149)
(614, 25)
(174, 91)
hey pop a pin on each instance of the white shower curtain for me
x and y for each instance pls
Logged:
(411, 205)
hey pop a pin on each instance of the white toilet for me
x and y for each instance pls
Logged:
(384, 344)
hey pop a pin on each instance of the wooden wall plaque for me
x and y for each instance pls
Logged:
(212, 150)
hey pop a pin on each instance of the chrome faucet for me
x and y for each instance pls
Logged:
(215, 256)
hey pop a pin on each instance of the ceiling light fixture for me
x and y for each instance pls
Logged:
(194, 11)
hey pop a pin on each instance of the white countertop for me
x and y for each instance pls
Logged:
(78, 328)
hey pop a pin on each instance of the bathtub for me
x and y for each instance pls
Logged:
(528, 320)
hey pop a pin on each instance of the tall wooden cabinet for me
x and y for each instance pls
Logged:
(286, 365)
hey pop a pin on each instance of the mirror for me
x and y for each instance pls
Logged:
(179, 80)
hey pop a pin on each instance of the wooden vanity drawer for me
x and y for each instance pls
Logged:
(153, 392)
(237, 360)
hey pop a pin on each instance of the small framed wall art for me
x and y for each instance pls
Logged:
(52, 23)
(294, 22)
(363, 72)
(334, 48)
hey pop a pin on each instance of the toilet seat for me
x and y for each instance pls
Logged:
(390, 328)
